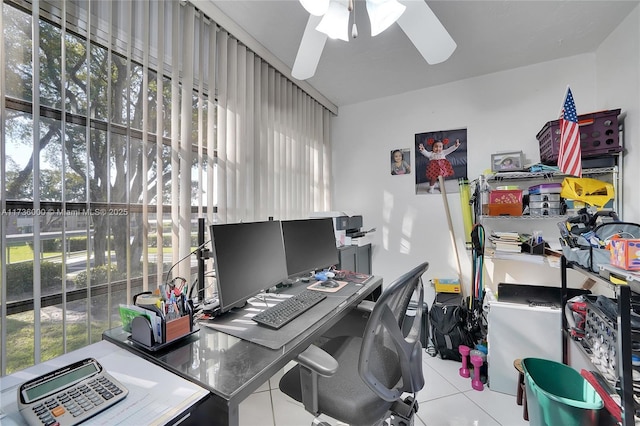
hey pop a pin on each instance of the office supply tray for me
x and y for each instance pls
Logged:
(142, 333)
(159, 346)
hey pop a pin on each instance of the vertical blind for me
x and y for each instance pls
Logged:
(123, 123)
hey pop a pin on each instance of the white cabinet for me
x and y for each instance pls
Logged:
(538, 335)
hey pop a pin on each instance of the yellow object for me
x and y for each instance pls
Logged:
(446, 285)
(467, 214)
(590, 191)
(617, 281)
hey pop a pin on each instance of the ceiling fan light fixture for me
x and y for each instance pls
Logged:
(316, 7)
(383, 13)
(335, 23)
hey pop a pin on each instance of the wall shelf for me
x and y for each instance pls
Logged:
(548, 175)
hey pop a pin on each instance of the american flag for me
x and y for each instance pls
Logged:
(569, 155)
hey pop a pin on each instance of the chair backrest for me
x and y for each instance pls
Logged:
(390, 362)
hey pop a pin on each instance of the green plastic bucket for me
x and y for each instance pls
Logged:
(558, 395)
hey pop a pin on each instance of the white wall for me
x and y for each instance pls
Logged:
(618, 85)
(502, 112)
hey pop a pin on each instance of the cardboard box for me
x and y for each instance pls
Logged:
(505, 202)
(505, 196)
(625, 254)
(446, 285)
(505, 209)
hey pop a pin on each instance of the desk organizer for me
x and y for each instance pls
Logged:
(534, 248)
(143, 332)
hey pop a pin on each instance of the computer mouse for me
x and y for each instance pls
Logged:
(329, 283)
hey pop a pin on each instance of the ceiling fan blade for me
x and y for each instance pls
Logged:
(426, 32)
(310, 50)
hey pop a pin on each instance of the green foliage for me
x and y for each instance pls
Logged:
(20, 277)
(99, 275)
(77, 244)
(49, 246)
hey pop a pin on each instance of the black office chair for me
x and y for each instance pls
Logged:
(361, 380)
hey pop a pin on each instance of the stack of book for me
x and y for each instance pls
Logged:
(509, 242)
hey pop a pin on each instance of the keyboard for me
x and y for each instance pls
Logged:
(285, 311)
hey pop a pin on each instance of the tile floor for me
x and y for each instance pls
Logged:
(446, 400)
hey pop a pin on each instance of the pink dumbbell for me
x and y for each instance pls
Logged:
(464, 370)
(477, 362)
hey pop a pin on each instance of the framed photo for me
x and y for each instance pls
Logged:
(438, 154)
(401, 161)
(507, 161)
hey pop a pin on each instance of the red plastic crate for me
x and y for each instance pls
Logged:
(598, 136)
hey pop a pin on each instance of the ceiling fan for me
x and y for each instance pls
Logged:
(330, 19)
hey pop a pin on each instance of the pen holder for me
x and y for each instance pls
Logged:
(154, 331)
(177, 328)
(533, 248)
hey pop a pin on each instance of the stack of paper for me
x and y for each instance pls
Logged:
(509, 242)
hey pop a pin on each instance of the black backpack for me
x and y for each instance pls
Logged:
(448, 330)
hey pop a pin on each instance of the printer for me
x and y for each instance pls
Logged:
(344, 226)
(352, 225)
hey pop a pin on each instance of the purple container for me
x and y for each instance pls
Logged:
(545, 188)
(599, 135)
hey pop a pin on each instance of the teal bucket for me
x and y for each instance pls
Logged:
(558, 395)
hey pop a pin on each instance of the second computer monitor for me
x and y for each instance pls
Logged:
(248, 258)
(310, 245)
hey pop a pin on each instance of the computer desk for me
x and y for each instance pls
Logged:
(232, 368)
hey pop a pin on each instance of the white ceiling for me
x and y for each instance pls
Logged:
(491, 36)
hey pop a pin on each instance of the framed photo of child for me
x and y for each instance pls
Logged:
(401, 161)
(507, 162)
(442, 153)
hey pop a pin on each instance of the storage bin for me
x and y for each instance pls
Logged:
(506, 202)
(545, 211)
(505, 196)
(505, 209)
(558, 395)
(598, 136)
(544, 197)
(544, 204)
(545, 188)
(625, 254)
(446, 285)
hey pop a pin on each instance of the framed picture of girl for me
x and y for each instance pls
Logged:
(400, 162)
(442, 153)
(507, 162)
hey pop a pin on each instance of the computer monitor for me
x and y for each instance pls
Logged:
(248, 258)
(309, 244)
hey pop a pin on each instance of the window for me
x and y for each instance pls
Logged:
(123, 128)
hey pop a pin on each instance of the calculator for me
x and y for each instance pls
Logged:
(69, 395)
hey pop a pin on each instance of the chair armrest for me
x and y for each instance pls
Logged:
(318, 361)
(366, 306)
